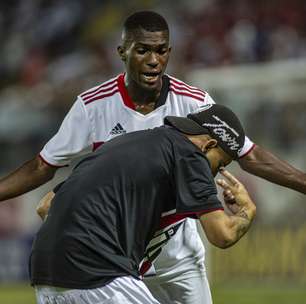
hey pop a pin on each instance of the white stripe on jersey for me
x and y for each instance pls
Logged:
(184, 88)
(96, 88)
(102, 95)
(168, 212)
(102, 89)
(180, 82)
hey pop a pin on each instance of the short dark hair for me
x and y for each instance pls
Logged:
(147, 20)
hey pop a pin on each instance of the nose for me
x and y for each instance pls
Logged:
(152, 59)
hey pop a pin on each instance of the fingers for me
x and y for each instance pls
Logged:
(223, 184)
(233, 181)
(228, 195)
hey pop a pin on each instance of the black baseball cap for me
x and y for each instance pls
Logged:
(216, 120)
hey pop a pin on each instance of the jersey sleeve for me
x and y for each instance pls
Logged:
(74, 138)
(248, 144)
(195, 186)
(247, 147)
(208, 99)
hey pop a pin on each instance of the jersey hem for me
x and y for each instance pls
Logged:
(208, 211)
(172, 276)
(247, 152)
(49, 164)
(70, 285)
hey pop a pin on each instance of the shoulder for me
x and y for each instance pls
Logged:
(181, 88)
(101, 91)
(170, 136)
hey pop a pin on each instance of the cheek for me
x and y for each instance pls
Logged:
(132, 66)
(164, 60)
(212, 160)
(136, 63)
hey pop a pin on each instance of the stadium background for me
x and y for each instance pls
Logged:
(250, 55)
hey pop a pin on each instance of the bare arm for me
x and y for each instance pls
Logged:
(26, 178)
(264, 164)
(225, 230)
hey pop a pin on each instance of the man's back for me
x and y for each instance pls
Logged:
(106, 212)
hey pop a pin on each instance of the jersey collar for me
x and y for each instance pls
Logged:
(128, 100)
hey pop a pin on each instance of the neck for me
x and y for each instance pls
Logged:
(140, 95)
(196, 140)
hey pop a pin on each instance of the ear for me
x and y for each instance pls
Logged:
(210, 144)
(121, 52)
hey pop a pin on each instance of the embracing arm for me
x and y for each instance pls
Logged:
(225, 230)
(264, 164)
(29, 176)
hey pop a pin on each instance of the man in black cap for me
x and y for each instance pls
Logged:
(102, 230)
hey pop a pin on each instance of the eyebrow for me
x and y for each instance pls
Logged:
(145, 45)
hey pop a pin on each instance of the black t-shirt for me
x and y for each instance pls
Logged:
(104, 215)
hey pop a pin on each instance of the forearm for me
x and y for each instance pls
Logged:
(26, 178)
(238, 225)
(266, 165)
(223, 230)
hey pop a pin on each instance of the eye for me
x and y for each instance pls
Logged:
(141, 51)
(162, 51)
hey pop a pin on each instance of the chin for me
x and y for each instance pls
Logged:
(214, 172)
(150, 87)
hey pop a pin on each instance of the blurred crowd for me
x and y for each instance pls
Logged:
(52, 50)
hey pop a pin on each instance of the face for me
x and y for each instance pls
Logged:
(217, 158)
(145, 55)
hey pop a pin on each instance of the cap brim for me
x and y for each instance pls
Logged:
(185, 125)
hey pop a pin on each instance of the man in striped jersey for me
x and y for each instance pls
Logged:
(136, 100)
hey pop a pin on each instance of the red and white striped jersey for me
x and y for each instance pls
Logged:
(107, 110)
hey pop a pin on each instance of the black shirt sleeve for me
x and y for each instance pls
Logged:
(196, 191)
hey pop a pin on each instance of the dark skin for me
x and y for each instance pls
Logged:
(145, 56)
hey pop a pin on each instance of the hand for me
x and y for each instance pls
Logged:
(44, 205)
(235, 195)
(230, 201)
(228, 197)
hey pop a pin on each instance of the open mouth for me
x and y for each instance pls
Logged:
(151, 76)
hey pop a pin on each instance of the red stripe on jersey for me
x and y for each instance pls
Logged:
(247, 152)
(53, 166)
(185, 90)
(101, 96)
(124, 93)
(186, 94)
(100, 91)
(145, 267)
(184, 87)
(96, 145)
(171, 219)
(103, 85)
(185, 84)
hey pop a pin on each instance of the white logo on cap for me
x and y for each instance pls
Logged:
(221, 130)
